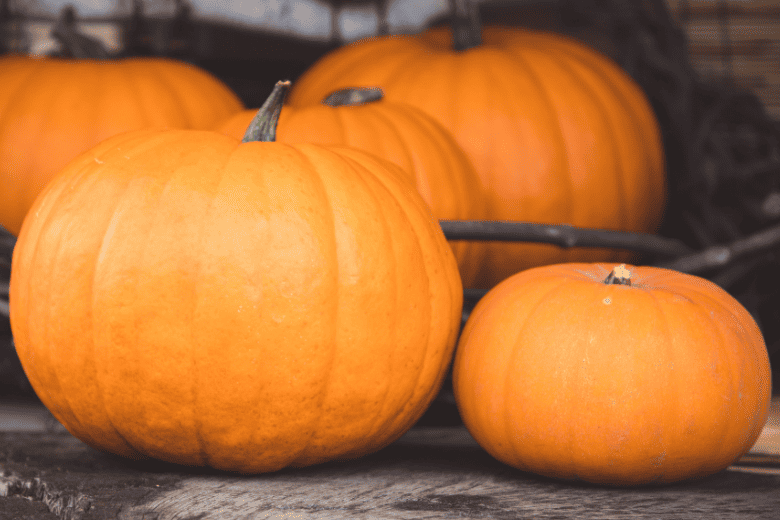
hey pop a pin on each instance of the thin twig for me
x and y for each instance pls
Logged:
(562, 235)
(719, 256)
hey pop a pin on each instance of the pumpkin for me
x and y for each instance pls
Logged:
(612, 374)
(399, 132)
(53, 109)
(248, 306)
(558, 133)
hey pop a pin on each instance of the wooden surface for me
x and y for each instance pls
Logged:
(739, 39)
(431, 473)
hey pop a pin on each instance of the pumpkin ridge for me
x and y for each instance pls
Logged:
(630, 93)
(554, 118)
(718, 328)
(429, 336)
(304, 454)
(727, 426)
(198, 430)
(381, 421)
(99, 258)
(21, 341)
(163, 76)
(162, 182)
(83, 431)
(669, 401)
(699, 306)
(507, 378)
(371, 188)
(734, 312)
(628, 109)
(142, 259)
(492, 105)
(632, 104)
(389, 125)
(619, 179)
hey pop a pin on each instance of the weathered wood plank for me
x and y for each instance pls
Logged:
(431, 473)
(747, 34)
(711, 8)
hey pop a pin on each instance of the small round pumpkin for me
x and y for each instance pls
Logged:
(612, 374)
(53, 109)
(248, 306)
(557, 132)
(400, 133)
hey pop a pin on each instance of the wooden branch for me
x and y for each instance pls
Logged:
(7, 242)
(685, 259)
(562, 236)
(719, 256)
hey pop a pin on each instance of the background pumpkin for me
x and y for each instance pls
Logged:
(557, 132)
(564, 371)
(53, 109)
(244, 306)
(400, 133)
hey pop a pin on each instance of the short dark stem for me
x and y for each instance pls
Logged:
(76, 45)
(353, 96)
(620, 275)
(263, 126)
(466, 27)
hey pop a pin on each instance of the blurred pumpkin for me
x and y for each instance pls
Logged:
(247, 306)
(558, 133)
(612, 374)
(398, 132)
(52, 109)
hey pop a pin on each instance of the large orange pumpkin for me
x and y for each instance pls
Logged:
(53, 109)
(247, 306)
(398, 132)
(557, 132)
(612, 374)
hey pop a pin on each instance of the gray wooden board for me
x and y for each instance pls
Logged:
(431, 473)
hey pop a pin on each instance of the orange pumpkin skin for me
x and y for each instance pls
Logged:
(400, 133)
(557, 132)
(53, 109)
(246, 306)
(560, 374)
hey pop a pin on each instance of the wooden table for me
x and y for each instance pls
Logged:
(431, 473)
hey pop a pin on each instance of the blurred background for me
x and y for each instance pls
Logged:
(710, 68)
(731, 40)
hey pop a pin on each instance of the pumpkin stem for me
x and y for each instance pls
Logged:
(263, 126)
(75, 44)
(466, 27)
(353, 96)
(620, 275)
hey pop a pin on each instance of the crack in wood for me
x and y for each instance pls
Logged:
(65, 506)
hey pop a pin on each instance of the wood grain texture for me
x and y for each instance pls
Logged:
(431, 473)
(746, 48)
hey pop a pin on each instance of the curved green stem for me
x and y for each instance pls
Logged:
(263, 126)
